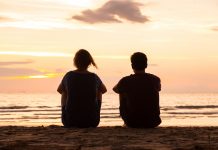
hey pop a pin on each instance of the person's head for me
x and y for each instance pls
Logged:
(139, 61)
(83, 59)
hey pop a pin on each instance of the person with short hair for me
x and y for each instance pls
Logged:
(139, 95)
(81, 92)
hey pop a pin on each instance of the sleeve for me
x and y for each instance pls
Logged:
(98, 82)
(120, 87)
(158, 84)
(62, 86)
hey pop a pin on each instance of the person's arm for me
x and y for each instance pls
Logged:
(63, 98)
(115, 88)
(159, 85)
(101, 91)
(99, 97)
(60, 88)
(63, 94)
(120, 86)
(103, 88)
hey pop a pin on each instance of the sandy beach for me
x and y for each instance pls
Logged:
(107, 138)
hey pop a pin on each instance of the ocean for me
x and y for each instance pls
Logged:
(187, 109)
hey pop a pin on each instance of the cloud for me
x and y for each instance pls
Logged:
(5, 19)
(15, 63)
(17, 72)
(26, 73)
(12, 71)
(215, 28)
(112, 12)
(36, 54)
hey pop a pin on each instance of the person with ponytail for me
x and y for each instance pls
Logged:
(81, 92)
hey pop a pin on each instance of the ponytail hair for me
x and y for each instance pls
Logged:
(83, 59)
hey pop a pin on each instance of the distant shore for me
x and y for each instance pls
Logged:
(108, 138)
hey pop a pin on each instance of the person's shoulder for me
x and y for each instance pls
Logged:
(127, 78)
(152, 76)
(93, 74)
(69, 73)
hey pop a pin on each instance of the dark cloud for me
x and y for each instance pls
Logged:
(214, 28)
(114, 11)
(10, 72)
(6, 63)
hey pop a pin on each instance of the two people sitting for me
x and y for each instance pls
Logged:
(81, 94)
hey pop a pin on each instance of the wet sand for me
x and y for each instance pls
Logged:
(108, 138)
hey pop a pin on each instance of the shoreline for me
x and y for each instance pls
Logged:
(108, 138)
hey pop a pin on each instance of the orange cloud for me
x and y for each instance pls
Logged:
(126, 9)
(15, 63)
(215, 28)
(36, 76)
(17, 71)
(24, 73)
(5, 19)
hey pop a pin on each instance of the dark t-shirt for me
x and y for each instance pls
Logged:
(139, 97)
(82, 106)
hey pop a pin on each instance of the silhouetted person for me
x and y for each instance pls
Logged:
(81, 92)
(139, 95)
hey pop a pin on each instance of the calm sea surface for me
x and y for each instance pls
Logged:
(44, 109)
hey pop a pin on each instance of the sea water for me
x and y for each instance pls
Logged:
(187, 109)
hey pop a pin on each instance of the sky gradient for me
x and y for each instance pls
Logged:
(40, 37)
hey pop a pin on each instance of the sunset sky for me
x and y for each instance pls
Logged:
(38, 39)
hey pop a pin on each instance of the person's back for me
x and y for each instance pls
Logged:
(139, 98)
(82, 104)
(81, 94)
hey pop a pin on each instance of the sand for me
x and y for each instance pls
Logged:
(108, 138)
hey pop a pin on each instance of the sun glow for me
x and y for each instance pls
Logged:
(48, 75)
(42, 76)
(37, 54)
(59, 54)
(111, 57)
(37, 77)
(40, 25)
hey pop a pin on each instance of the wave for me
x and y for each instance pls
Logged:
(50, 114)
(14, 107)
(196, 107)
(167, 108)
(24, 107)
(29, 110)
(43, 107)
(116, 116)
(116, 108)
(39, 117)
(192, 113)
